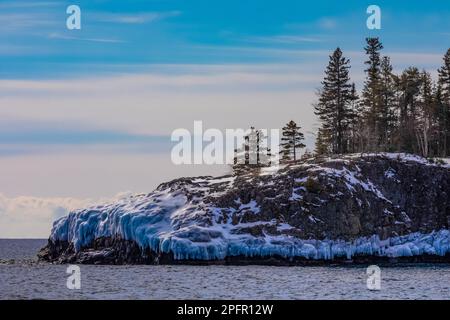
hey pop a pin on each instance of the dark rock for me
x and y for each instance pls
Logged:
(391, 197)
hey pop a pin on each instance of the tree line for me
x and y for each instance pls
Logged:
(407, 112)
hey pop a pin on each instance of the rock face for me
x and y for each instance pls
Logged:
(353, 208)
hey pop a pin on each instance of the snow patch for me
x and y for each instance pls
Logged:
(167, 222)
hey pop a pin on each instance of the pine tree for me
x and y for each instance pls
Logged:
(424, 115)
(291, 139)
(444, 78)
(253, 147)
(444, 112)
(372, 92)
(333, 107)
(322, 146)
(387, 117)
(408, 86)
(441, 116)
(354, 134)
(253, 154)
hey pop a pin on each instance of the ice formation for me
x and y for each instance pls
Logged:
(168, 221)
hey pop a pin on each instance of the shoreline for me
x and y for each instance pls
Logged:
(62, 253)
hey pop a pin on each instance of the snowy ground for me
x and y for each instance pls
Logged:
(155, 227)
(166, 221)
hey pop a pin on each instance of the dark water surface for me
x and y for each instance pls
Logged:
(22, 277)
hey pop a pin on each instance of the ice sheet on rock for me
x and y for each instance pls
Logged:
(176, 219)
(166, 222)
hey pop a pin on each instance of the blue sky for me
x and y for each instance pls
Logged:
(86, 114)
(121, 36)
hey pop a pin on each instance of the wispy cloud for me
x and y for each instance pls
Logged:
(327, 23)
(25, 21)
(283, 39)
(66, 37)
(32, 217)
(27, 4)
(139, 18)
(25, 136)
(321, 24)
(173, 78)
(23, 50)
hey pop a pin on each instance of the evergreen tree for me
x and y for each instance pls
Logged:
(424, 115)
(333, 107)
(354, 133)
(372, 94)
(387, 117)
(441, 114)
(291, 141)
(252, 147)
(408, 86)
(444, 78)
(407, 113)
(253, 154)
(444, 110)
(322, 146)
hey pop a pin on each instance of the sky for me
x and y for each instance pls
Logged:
(86, 115)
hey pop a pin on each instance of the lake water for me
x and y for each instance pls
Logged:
(22, 277)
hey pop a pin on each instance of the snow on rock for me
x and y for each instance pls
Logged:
(272, 214)
(164, 222)
(351, 179)
(390, 173)
(404, 157)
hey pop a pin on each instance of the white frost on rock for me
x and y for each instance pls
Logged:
(166, 221)
(390, 173)
(404, 157)
(351, 179)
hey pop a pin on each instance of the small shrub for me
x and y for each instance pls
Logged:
(312, 185)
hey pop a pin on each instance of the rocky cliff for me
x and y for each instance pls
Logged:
(356, 208)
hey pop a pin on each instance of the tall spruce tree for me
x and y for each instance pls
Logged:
(291, 141)
(424, 115)
(333, 107)
(444, 107)
(354, 132)
(407, 112)
(408, 86)
(322, 146)
(372, 92)
(441, 116)
(387, 115)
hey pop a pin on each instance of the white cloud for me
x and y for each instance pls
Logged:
(419, 59)
(32, 217)
(159, 102)
(23, 50)
(283, 39)
(327, 23)
(65, 37)
(11, 22)
(216, 78)
(139, 18)
(27, 4)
